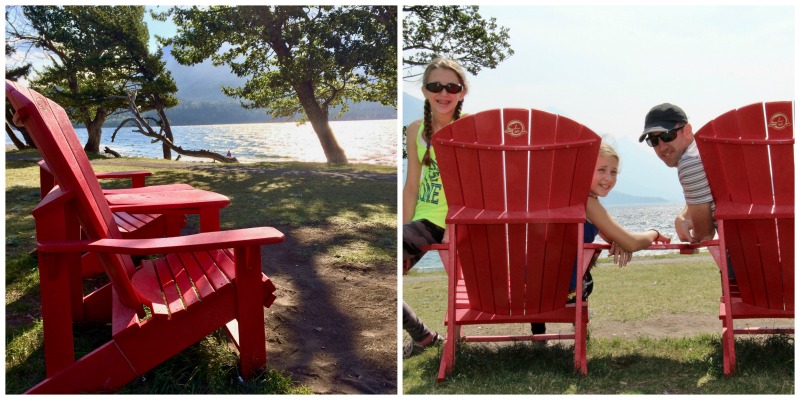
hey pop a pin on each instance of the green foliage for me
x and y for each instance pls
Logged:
(298, 58)
(98, 54)
(301, 60)
(457, 32)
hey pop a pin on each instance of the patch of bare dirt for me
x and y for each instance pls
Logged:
(334, 330)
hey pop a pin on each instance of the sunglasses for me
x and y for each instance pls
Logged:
(436, 87)
(666, 137)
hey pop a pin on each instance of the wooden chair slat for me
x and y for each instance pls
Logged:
(169, 287)
(201, 284)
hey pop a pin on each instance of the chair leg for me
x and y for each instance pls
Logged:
(250, 314)
(728, 345)
(103, 370)
(55, 285)
(448, 352)
(580, 341)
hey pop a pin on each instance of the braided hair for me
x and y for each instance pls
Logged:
(427, 121)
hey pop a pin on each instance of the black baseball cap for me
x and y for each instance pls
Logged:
(662, 118)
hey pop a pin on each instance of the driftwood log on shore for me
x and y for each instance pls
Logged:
(112, 152)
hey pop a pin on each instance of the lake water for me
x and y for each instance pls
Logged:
(372, 142)
(635, 218)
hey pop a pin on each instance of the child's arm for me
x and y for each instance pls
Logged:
(611, 231)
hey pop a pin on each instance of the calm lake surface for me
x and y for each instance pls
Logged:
(371, 142)
(633, 217)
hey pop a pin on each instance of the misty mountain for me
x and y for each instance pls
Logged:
(201, 100)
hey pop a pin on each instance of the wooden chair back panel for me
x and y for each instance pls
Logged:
(515, 268)
(517, 187)
(749, 160)
(786, 245)
(780, 126)
(488, 130)
(51, 130)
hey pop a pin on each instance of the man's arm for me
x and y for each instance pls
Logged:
(702, 222)
(683, 225)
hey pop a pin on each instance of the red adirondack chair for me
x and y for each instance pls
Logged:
(140, 212)
(196, 285)
(517, 182)
(748, 156)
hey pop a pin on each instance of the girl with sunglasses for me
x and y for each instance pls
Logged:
(424, 204)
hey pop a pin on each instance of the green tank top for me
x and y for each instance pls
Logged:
(431, 203)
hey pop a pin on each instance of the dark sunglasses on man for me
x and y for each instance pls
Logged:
(666, 137)
(436, 87)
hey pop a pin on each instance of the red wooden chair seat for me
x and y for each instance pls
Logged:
(748, 156)
(516, 183)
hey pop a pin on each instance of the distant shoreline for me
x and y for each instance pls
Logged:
(21, 155)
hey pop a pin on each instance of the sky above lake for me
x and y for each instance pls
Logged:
(605, 66)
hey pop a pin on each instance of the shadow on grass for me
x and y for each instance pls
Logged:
(311, 209)
(666, 366)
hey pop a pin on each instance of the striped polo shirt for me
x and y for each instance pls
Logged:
(693, 178)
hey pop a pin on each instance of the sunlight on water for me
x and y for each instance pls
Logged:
(372, 142)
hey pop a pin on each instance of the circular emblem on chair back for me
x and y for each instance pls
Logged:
(779, 121)
(515, 128)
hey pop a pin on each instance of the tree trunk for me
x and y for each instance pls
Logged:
(319, 121)
(95, 130)
(18, 143)
(166, 151)
(28, 144)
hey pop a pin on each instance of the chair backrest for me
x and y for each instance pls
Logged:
(497, 167)
(54, 136)
(748, 156)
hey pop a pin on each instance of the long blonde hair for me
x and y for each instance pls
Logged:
(462, 77)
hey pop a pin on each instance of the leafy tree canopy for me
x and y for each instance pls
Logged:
(456, 32)
(292, 52)
(97, 54)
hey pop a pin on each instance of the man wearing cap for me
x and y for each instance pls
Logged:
(668, 132)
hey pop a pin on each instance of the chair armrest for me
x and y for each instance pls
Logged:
(684, 248)
(201, 241)
(731, 210)
(149, 189)
(137, 177)
(465, 215)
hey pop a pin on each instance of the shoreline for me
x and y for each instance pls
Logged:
(23, 155)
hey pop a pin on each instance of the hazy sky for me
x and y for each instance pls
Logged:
(606, 66)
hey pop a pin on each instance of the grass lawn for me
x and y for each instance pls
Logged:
(624, 301)
(290, 196)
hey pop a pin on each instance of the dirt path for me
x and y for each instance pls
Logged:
(333, 330)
